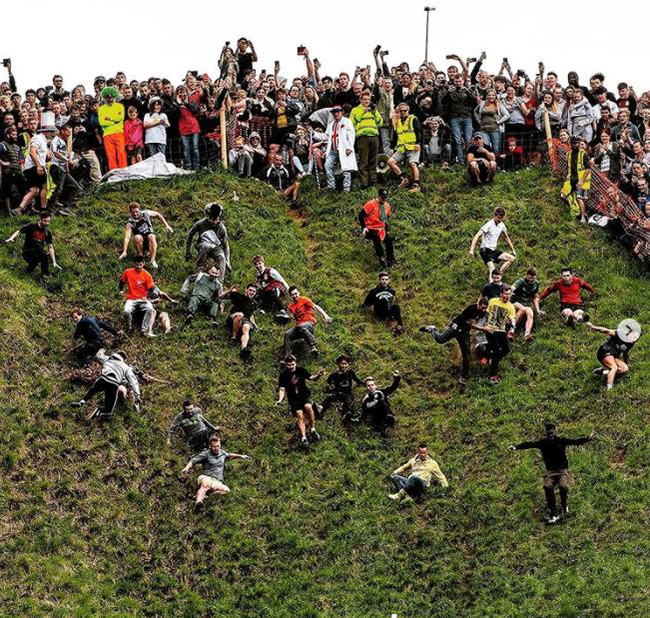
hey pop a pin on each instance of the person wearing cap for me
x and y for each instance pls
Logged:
(136, 283)
(421, 470)
(407, 138)
(212, 240)
(339, 153)
(553, 449)
(35, 164)
(156, 124)
(373, 219)
(481, 161)
(111, 120)
(339, 390)
(613, 355)
(99, 83)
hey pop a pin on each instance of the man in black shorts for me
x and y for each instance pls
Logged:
(489, 235)
(241, 321)
(613, 355)
(460, 330)
(140, 227)
(382, 300)
(38, 248)
(375, 404)
(481, 161)
(339, 390)
(292, 383)
(553, 451)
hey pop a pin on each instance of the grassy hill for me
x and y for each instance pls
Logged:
(97, 520)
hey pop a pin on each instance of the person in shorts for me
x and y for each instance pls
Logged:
(241, 320)
(481, 161)
(571, 305)
(140, 227)
(489, 235)
(553, 449)
(407, 136)
(292, 383)
(213, 460)
(525, 297)
(613, 355)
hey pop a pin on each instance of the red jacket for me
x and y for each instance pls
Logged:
(569, 292)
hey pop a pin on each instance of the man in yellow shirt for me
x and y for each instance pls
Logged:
(366, 121)
(499, 330)
(420, 469)
(111, 119)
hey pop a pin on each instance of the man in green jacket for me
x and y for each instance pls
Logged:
(367, 121)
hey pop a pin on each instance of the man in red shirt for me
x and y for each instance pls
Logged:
(373, 218)
(138, 282)
(571, 307)
(302, 309)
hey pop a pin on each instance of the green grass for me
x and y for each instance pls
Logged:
(97, 521)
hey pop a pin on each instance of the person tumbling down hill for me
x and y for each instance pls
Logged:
(140, 228)
(614, 353)
(204, 290)
(421, 471)
(339, 390)
(89, 330)
(212, 240)
(373, 219)
(382, 300)
(195, 427)
(489, 235)
(302, 309)
(213, 460)
(571, 305)
(375, 405)
(241, 320)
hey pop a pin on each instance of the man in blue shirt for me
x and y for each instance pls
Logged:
(90, 329)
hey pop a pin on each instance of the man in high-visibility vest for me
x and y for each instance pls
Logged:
(373, 218)
(407, 136)
(111, 119)
(578, 181)
(366, 121)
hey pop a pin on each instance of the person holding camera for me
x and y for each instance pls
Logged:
(244, 58)
(367, 121)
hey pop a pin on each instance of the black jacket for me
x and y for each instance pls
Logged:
(553, 451)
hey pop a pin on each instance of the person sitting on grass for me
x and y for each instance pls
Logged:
(206, 292)
(89, 330)
(292, 383)
(460, 329)
(613, 355)
(115, 375)
(420, 470)
(140, 227)
(195, 427)
(241, 320)
(138, 283)
(280, 178)
(525, 297)
(272, 289)
(375, 404)
(481, 161)
(302, 309)
(213, 460)
(339, 390)
(553, 449)
(571, 305)
(38, 247)
(382, 300)
(489, 234)
(157, 296)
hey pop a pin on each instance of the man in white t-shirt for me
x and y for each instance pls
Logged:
(35, 173)
(62, 163)
(489, 235)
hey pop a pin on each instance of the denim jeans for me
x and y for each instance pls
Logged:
(190, 144)
(385, 135)
(493, 139)
(331, 163)
(444, 156)
(461, 129)
(413, 485)
(152, 149)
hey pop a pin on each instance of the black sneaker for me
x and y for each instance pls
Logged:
(189, 318)
(314, 351)
(427, 329)
(245, 354)
(78, 404)
(571, 322)
(314, 436)
(198, 506)
(585, 317)
(304, 442)
(383, 263)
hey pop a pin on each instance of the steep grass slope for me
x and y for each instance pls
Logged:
(97, 521)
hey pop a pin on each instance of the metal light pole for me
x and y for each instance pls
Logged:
(427, 10)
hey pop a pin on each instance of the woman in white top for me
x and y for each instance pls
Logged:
(155, 128)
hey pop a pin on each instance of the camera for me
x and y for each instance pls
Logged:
(505, 61)
(301, 50)
(470, 60)
(6, 62)
(373, 106)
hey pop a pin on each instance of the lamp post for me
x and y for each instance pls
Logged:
(427, 10)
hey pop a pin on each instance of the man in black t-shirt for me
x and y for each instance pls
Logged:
(382, 300)
(244, 59)
(481, 161)
(339, 386)
(292, 383)
(241, 320)
(493, 288)
(553, 451)
(460, 329)
(38, 247)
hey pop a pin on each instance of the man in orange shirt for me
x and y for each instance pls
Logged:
(138, 282)
(302, 309)
(373, 218)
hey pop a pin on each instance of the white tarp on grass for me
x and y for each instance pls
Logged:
(153, 167)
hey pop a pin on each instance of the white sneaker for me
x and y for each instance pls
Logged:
(394, 496)
(554, 519)
(150, 335)
(154, 264)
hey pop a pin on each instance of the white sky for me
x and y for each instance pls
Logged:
(166, 37)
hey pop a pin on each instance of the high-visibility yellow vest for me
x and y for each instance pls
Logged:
(406, 139)
(366, 123)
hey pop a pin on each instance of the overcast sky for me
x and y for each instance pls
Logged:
(165, 38)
